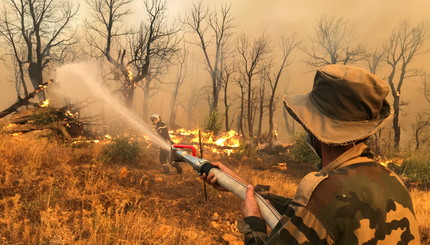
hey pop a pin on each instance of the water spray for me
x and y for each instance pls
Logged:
(203, 166)
(83, 77)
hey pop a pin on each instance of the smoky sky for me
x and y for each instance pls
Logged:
(373, 21)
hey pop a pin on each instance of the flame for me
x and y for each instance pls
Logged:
(71, 114)
(222, 144)
(44, 103)
(385, 162)
(129, 73)
(78, 142)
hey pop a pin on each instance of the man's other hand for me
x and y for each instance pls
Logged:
(250, 205)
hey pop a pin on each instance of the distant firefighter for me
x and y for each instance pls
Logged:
(165, 155)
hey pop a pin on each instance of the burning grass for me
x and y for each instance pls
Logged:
(56, 194)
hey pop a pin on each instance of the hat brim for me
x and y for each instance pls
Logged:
(329, 130)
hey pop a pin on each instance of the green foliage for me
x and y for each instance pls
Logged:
(415, 168)
(245, 149)
(44, 118)
(300, 151)
(212, 122)
(122, 150)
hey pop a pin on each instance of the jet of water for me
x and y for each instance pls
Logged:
(82, 80)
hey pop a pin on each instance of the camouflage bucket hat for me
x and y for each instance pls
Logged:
(346, 104)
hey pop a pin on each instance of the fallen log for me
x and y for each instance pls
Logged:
(24, 101)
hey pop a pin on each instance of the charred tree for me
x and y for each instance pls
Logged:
(227, 72)
(332, 43)
(420, 128)
(374, 59)
(208, 25)
(38, 33)
(250, 64)
(404, 44)
(262, 107)
(287, 45)
(133, 53)
(240, 120)
(180, 78)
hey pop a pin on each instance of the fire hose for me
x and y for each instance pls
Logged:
(269, 213)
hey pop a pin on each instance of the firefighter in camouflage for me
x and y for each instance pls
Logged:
(165, 155)
(352, 199)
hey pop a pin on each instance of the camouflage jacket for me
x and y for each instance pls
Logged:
(353, 200)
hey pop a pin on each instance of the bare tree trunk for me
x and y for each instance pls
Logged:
(242, 110)
(145, 104)
(261, 108)
(226, 108)
(179, 81)
(396, 124)
(128, 97)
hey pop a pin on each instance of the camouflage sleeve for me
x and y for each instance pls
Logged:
(298, 225)
(278, 202)
(254, 230)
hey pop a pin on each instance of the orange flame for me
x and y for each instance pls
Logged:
(129, 73)
(386, 162)
(44, 103)
(222, 144)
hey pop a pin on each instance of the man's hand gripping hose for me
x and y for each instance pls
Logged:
(234, 185)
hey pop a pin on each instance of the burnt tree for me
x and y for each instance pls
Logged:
(38, 33)
(135, 54)
(404, 44)
(332, 43)
(227, 72)
(211, 27)
(251, 55)
(287, 45)
(420, 128)
(179, 81)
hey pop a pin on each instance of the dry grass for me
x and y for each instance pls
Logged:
(53, 194)
(422, 211)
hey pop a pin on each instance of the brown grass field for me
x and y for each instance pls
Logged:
(56, 194)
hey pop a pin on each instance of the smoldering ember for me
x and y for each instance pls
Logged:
(214, 122)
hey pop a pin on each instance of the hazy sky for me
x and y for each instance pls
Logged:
(373, 19)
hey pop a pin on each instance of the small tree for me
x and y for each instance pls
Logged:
(332, 43)
(420, 128)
